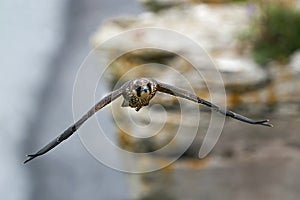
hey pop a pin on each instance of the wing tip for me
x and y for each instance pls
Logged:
(265, 123)
(30, 157)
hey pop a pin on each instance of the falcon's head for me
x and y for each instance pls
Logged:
(139, 92)
(142, 89)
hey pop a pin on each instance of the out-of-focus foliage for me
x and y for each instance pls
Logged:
(277, 33)
(160, 5)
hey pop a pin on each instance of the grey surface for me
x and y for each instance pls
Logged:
(42, 46)
(69, 172)
(29, 38)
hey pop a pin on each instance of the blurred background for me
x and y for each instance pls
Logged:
(255, 45)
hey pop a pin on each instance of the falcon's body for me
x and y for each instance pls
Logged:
(138, 93)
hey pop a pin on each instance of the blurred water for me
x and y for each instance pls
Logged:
(42, 45)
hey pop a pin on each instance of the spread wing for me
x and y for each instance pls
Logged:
(169, 89)
(72, 129)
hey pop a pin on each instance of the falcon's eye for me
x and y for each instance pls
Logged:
(138, 91)
(149, 86)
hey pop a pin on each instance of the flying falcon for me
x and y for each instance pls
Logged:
(137, 93)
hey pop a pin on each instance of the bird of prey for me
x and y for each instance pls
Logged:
(137, 93)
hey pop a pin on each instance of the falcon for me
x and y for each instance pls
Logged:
(137, 93)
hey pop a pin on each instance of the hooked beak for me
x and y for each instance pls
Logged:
(145, 89)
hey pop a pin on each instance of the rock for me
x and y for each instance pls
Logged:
(177, 61)
(162, 54)
(251, 90)
(213, 27)
(295, 62)
(241, 74)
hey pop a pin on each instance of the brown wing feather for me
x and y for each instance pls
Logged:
(72, 129)
(169, 89)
